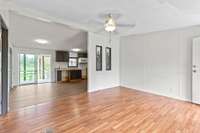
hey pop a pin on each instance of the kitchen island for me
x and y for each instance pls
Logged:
(68, 74)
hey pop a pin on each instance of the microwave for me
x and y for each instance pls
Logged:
(82, 60)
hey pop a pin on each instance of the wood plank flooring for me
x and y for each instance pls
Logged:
(31, 95)
(116, 110)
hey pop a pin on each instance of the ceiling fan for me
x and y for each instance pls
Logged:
(110, 23)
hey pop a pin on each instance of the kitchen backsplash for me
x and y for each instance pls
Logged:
(61, 65)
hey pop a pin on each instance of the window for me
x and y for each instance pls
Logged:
(73, 54)
(44, 68)
(73, 59)
(27, 68)
(34, 68)
(73, 62)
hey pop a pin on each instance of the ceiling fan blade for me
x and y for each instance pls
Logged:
(116, 32)
(126, 25)
(96, 22)
(100, 30)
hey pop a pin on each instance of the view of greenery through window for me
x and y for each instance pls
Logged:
(43, 67)
(28, 68)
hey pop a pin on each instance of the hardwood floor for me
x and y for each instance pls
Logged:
(31, 95)
(116, 110)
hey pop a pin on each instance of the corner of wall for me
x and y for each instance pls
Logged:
(157, 66)
(102, 79)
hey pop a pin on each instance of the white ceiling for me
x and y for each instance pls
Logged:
(149, 15)
(24, 30)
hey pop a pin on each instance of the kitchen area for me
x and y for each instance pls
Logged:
(49, 61)
(71, 66)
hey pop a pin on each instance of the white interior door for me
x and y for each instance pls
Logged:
(196, 71)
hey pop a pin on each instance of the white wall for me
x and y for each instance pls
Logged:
(159, 62)
(15, 65)
(102, 79)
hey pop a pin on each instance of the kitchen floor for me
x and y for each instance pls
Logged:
(32, 95)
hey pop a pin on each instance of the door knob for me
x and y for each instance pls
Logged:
(194, 71)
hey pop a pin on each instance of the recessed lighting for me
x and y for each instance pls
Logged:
(76, 49)
(41, 41)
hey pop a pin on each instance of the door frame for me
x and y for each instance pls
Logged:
(4, 67)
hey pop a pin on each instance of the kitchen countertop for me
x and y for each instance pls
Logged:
(67, 69)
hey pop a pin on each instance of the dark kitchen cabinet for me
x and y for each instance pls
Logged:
(62, 56)
(82, 55)
(75, 74)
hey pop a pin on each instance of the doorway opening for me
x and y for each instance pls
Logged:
(46, 65)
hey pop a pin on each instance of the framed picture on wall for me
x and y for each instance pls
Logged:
(98, 58)
(108, 58)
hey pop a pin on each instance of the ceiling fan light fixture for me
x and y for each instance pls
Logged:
(110, 25)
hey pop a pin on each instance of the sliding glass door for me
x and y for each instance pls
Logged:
(27, 68)
(44, 68)
(34, 68)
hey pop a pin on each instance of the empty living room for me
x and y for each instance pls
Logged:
(111, 67)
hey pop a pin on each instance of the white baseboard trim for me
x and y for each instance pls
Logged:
(157, 93)
(95, 90)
